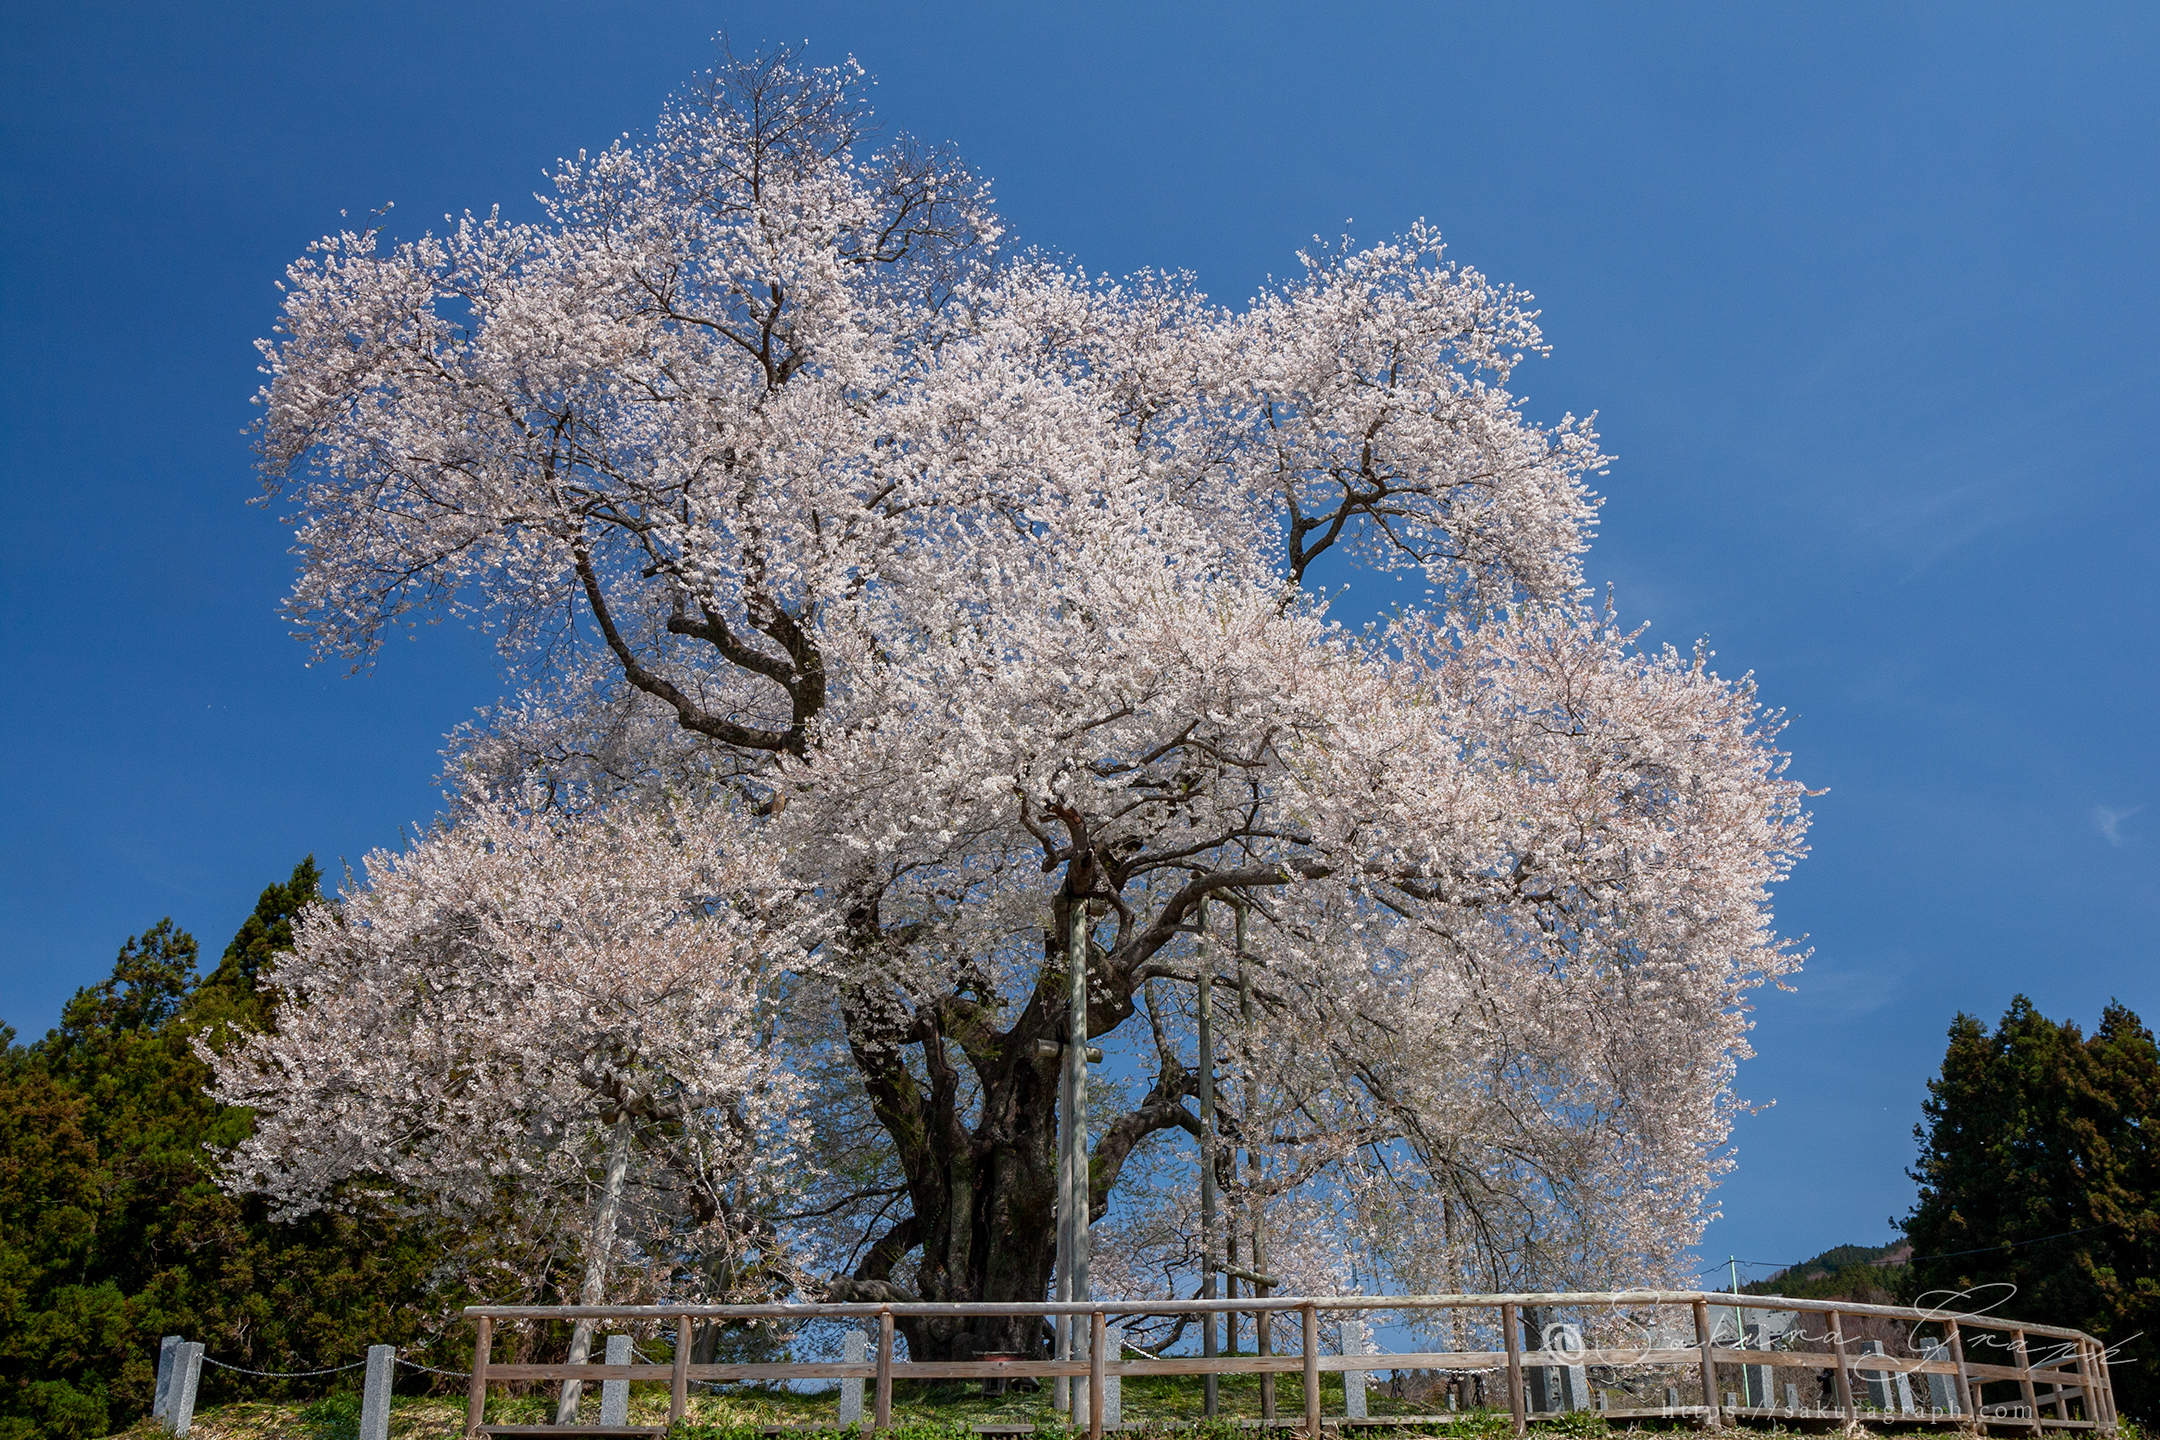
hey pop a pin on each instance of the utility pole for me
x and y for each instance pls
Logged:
(1211, 1385)
(1739, 1327)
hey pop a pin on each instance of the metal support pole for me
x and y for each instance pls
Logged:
(1077, 1193)
(1061, 1289)
(1211, 1385)
(1511, 1334)
(476, 1393)
(1263, 1320)
(1709, 1365)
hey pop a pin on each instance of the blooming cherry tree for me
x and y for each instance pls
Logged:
(561, 1015)
(984, 591)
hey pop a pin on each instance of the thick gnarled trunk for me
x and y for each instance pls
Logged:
(983, 1195)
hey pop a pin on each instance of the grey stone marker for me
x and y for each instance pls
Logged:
(1942, 1389)
(187, 1374)
(1732, 1401)
(1672, 1398)
(375, 1392)
(1113, 1390)
(1555, 1387)
(1755, 1380)
(161, 1398)
(1878, 1381)
(1574, 1381)
(1792, 1397)
(1356, 1340)
(854, 1349)
(615, 1394)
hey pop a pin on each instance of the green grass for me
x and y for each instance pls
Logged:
(1155, 1408)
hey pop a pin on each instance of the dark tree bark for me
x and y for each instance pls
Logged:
(983, 1196)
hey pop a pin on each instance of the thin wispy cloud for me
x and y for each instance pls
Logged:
(2109, 819)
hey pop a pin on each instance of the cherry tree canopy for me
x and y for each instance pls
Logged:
(974, 589)
(492, 1008)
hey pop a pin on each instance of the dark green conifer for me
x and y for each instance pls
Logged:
(2037, 1174)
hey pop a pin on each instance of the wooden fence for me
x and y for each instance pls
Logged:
(2072, 1372)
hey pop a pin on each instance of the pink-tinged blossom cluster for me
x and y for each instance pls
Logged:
(472, 1028)
(966, 587)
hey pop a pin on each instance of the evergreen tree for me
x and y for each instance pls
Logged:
(2038, 1163)
(113, 1231)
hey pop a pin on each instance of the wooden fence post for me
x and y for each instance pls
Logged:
(1511, 1335)
(2107, 1385)
(884, 1369)
(476, 1393)
(1098, 1357)
(2025, 1380)
(2106, 1381)
(2099, 1405)
(679, 1383)
(1844, 1380)
(1709, 1364)
(1968, 1392)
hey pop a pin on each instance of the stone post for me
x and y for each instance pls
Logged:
(375, 1392)
(1356, 1340)
(615, 1394)
(1942, 1389)
(1877, 1381)
(187, 1374)
(1755, 1380)
(161, 1399)
(1540, 1391)
(854, 1350)
(1113, 1400)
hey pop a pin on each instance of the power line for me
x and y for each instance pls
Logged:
(2011, 1244)
(1910, 1259)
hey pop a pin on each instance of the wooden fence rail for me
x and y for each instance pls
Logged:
(2076, 1370)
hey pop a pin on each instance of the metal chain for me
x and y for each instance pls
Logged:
(708, 1384)
(333, 1370)
(416, 1365)
(282, 1374)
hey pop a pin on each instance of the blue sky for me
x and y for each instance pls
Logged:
(1864, 296)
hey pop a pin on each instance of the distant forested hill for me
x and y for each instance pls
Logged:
(1869, 1274)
